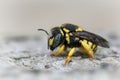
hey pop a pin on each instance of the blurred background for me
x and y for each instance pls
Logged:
(24, 17)
(24, 53)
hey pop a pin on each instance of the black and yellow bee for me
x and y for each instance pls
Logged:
(73, 36)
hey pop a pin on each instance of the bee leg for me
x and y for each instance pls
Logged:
(87, 48)
(69, 56)
(62, 47)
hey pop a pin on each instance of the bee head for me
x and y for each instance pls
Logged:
(56, 38)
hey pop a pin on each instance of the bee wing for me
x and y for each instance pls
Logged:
(96, 39)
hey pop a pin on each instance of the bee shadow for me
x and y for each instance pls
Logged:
(76, 54)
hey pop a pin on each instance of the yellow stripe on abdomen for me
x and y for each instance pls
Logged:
(78, 29)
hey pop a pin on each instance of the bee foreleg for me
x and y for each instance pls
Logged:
(87, 48)
(69, 56)
(62, 47)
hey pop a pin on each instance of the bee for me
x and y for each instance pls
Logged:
(73, 36)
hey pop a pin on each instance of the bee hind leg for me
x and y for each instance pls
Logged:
(87, 48)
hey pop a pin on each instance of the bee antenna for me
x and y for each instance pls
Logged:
(44, 31)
